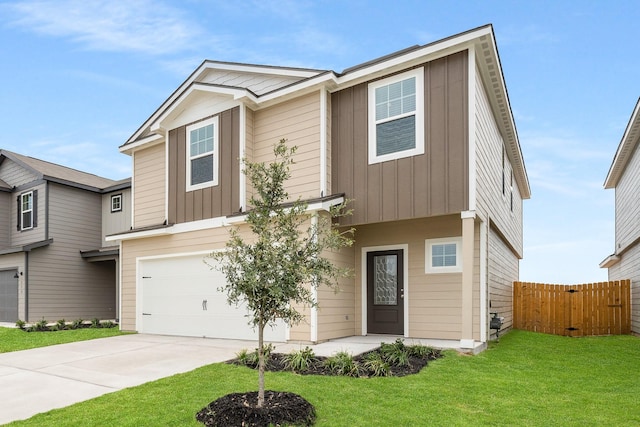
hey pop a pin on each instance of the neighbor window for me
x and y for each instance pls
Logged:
(26, 211)
(396, 117)
(116, 203)
(202, 154)
(443, 255)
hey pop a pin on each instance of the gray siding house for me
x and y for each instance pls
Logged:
(54, 261)
(624, 178)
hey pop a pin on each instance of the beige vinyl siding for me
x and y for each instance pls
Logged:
(434, 299)
(149, 186)
(337, 310)
(627, 204)
(11, 172)
(16, 261)
(115, 222)
(5, 219)
(503, 271)
(629, 268)
(37, 233)
(297, 121)
(61, 283)
(491, 203)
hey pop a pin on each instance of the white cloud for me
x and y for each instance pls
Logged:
(133, 26)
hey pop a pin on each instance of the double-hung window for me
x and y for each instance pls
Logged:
(396, 116)
(202, 154)
(26, 211)
(443, 255)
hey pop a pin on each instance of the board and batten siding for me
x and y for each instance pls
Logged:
(61, 282)
(503, 271)
(210, 202)
(115, 222)
(491, 203)
(435, 300)
(431, 184)
(148, 186)
(297, 121)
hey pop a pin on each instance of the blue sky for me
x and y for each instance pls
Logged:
(79, 77)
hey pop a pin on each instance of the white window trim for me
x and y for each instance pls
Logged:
(428, 245)
(418, 73)
(22, 211)
(116, 197)
(216, 154)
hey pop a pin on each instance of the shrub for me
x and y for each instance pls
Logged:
(76, 324)
(20, 324)
(300, 360)
(396, 354)
(251, 359)
(95, 323)
(42, 325)
(343, 364)
(376, 366)
(61, 325)
(108, 324)
(420, 351)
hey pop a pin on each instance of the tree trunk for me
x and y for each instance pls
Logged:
(261, 364)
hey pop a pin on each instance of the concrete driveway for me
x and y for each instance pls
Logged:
(38, 380)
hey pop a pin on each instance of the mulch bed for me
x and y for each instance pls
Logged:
(282, 408)
(239, 409)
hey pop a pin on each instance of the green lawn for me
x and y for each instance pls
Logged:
(15, 339)
(526, 379)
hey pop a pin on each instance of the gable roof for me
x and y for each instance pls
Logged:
(259, 86)
(58, 173)
(626, 148)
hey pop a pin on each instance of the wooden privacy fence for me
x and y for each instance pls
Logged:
(573, 310)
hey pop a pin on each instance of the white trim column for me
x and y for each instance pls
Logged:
(468, 237)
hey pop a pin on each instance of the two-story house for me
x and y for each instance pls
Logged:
(422, 141)
(54, 260)
(624, 178)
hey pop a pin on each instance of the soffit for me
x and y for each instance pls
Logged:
(626, 148)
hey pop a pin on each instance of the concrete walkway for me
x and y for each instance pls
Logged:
(38, 380)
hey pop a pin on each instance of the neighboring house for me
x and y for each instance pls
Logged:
(54, 261)
(624, 178)
(424, 143)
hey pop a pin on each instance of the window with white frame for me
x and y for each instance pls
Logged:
(202, 154)
(396, 116)
(26, 211)
(116, 203)
(443, 255)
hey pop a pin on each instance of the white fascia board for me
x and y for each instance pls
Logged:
(625, 149)
(147, 141)
(211, 223)
(610, 261)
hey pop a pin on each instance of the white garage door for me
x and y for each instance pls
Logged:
(179, 296)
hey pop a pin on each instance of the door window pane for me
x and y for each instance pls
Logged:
(385, 280)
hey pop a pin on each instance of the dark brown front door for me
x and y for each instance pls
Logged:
(385, 293)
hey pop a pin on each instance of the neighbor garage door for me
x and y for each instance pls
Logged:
(179, 296)
(8, 296)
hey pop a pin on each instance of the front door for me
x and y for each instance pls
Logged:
(385, 292)
(9, 296)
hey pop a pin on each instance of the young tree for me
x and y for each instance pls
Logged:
(275, 272)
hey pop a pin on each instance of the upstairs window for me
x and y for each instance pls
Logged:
(116, 203)
(396, 117)
(27, 210)
(202, 154)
